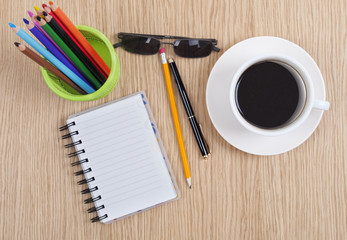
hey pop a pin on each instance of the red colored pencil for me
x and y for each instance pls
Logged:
(50, 12)
(79, 37)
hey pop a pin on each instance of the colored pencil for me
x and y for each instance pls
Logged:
(50, 57)
(36, 8)
(91, 60)
(79, 36)
(53, 49)
(37, 24)
(175, 117)
(33, 19)
(70, 54)
(38, 11)
(39, 60)
(63, 35)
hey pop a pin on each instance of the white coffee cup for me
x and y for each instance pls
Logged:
(306, 103)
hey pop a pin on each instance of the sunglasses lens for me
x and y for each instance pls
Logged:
(140, 45)
(193, 48)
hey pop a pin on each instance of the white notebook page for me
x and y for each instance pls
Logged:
(124, 156)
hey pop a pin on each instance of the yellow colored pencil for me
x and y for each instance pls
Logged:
(175, 117)
(36, 8)
(38, 11)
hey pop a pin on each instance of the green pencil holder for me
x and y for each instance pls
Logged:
(106, 51)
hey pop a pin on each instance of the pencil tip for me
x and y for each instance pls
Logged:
(11, 25)
(189, 181)
(44, 5)
(30, 13)
(17, 44)
(36, 8)
(44, 13)
(50, 2)
(190, 187)
(38, 18)
(25, 21)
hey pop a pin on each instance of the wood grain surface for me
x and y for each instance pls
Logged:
(297, 195)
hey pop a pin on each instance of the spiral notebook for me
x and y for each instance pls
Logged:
(122, 158)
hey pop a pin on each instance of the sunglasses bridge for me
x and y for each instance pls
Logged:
(169, 43)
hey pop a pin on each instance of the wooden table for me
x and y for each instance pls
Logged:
(297, 195)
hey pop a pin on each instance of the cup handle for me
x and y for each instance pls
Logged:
(320, 104)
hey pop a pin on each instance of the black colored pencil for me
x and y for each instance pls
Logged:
(73, 46)
(204, 148)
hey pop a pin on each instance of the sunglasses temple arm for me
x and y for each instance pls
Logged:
(215, 49)
(121, 34)
(117, 45)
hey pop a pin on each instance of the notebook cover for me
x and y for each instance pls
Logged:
(156, 132)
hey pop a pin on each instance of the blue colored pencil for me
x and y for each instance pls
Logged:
(50, 57)
(53, 49)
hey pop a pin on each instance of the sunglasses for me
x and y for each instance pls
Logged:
(149, 44)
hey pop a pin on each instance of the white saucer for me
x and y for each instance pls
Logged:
(217, 96)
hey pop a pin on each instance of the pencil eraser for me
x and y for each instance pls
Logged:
(161, 50)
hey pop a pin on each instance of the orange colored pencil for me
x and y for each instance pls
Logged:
(176, 120)
(80, 38)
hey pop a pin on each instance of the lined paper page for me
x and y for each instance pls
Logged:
(124, 155)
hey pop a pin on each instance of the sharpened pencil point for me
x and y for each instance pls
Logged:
(30, 14)
(17, 44)
(44, 5)
(50, 2)
(38, 18)
(44, 13)
(25, 21)
(36, 8)
(11, 25)
(189, 181)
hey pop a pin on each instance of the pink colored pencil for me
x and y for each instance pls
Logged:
(37, 24)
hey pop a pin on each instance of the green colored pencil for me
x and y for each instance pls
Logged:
(84, 70)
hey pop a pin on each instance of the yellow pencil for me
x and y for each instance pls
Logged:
(38, 11)
(36, 8)
(175, 117)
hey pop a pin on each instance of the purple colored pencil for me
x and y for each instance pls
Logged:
(50, 47)
(37, 24)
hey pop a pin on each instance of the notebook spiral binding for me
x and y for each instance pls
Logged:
(79, 162)
(89, 190)
(65, 127)
(84, 181)
(90, 200)
(73, 144)
(94, 209)
(69, 135)
(97, 219)
(83, 172)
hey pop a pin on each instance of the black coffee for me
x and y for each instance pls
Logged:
(267, 95)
